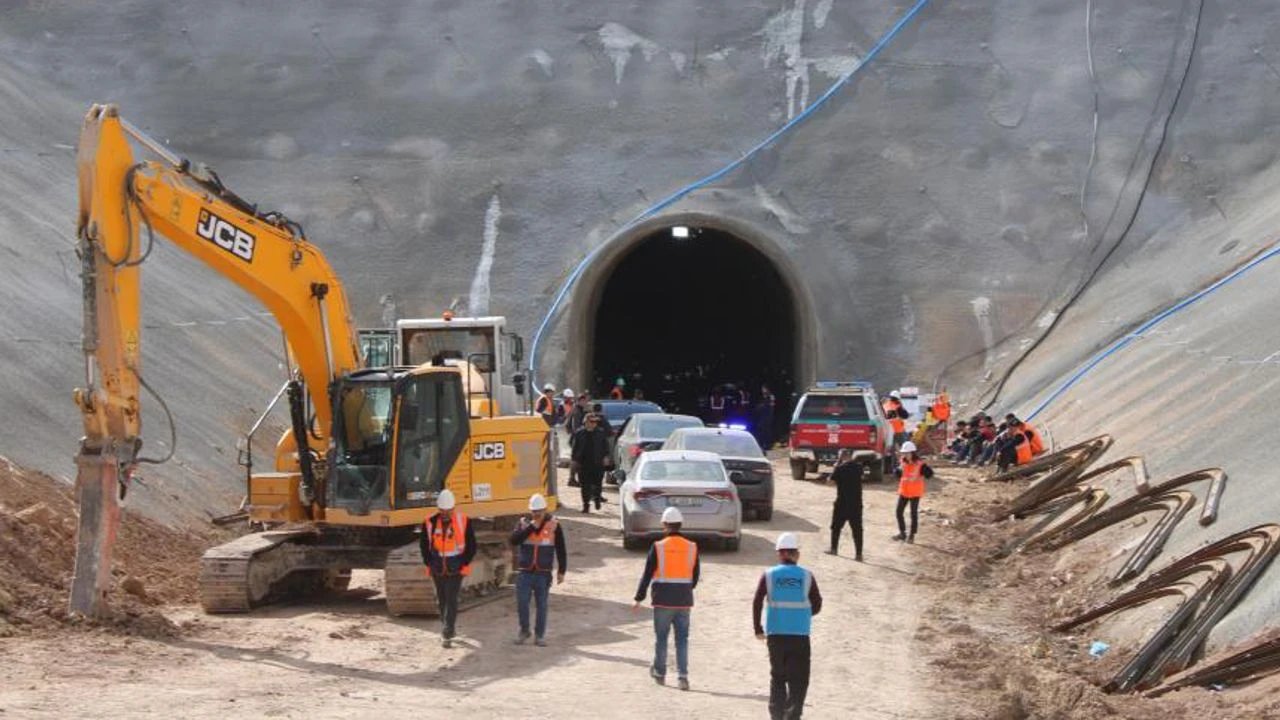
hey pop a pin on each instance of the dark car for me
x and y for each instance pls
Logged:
(645, 431)
(617, 412)
(743, 459)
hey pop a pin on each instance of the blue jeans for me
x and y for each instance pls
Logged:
(538, 585)
(663, 619)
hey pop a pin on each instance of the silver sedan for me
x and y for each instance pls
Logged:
(693, 481)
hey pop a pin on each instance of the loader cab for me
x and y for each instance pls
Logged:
(398, 433)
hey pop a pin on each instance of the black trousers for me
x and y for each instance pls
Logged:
(447, 589)
(915, 514)
(839, 517)
(592, 480)
(788, 676)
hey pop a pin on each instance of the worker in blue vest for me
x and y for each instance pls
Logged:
(788, 595)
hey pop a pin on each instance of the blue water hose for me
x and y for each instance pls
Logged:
(1123, 342)
(678, 195)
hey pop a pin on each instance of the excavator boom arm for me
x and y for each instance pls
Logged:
(265, 255)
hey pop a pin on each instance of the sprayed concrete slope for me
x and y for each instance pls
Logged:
(477, 151)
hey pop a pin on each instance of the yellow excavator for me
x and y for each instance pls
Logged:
(368, 450)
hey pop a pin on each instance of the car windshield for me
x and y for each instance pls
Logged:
(616, 412)
(726, 445)
(835, 407)
(660, 428)
(682, 471)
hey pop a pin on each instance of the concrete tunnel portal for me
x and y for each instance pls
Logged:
(681, 309)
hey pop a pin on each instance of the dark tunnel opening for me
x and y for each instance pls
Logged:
(683, 318)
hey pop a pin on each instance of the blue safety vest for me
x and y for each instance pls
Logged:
(787, 610)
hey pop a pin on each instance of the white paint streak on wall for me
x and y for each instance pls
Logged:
(791, 221)
(783, 40)
(619, 42)
(678, 59)
(820, 13)
(982, 311)
(1047, 319)
(544, 61)
(480, 288)
(908, 321)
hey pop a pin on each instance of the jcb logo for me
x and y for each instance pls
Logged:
(225, 235)
(490, 451)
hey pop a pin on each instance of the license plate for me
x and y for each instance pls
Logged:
(684, 501)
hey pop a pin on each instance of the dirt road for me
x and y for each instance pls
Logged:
(345, 658)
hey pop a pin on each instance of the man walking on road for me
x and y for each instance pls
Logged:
(789, 596)
(590, 460)
(848, 504)
(539, 543)
(672, 568)
(448, 546)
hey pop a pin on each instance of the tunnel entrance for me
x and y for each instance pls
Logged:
(688, 312)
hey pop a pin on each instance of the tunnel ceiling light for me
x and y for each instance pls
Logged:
(680, 231)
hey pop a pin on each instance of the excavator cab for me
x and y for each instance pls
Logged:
(400, 433)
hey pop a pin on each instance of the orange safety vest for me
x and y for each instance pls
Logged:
(537, 552)
(895, 422)
(942, 408)
(545, 406)
(1037, 445)
(453, 544)
(912, 483)
(676, 558)
(615, 393)
(1023, 450)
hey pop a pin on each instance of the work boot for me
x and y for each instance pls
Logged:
(831, 551)
(911, 539)
(653, 673)
(683, 683)
(597, 503)
(586, 508)
(446, 643)
(523, 637)
(858, 557)
(540, 642)
(899, 537)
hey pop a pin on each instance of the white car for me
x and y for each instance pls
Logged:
(693, 481)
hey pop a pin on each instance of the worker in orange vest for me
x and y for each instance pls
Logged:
(911, 476)
(618, 392)
(448, 545)
(540, 547)
(1034, 440)
(546, 405)
(942, 408)
(672, 570)
(897, 415)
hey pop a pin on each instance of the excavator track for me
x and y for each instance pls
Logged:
(247, 572)
(410, 591)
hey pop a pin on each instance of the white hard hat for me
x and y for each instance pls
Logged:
(445, 500)
(671, 516)
(787, 541)
(568, 393)
(895, 394)
(908, 446)
(549, 388)
(537, 502)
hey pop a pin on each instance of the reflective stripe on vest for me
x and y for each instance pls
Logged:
(538, 551)
(676, 558)
(787, 608)
(717, 402)
(912, 483)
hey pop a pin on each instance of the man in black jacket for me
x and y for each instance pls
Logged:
(591, 458)
(848, 504)
(448, 545)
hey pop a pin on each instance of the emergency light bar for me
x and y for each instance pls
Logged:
(831, 384)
